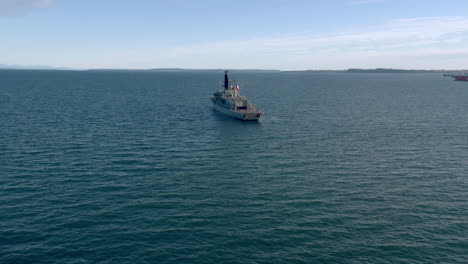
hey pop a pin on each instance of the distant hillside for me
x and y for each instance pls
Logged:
(186, 70)
(352, 70)
(383, 70)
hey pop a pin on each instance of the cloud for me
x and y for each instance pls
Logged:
(426, 38)
(422, 42)
(364, 2)
(17, 7)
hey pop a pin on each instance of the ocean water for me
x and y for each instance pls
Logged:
(136, 167)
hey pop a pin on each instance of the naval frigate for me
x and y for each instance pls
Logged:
(229, 101)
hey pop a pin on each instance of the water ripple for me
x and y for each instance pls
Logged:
(134, 167)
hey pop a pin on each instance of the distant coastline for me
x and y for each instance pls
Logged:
(186, 70)
(382, 70)
(352, 70)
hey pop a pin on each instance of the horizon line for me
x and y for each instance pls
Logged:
(52, 68)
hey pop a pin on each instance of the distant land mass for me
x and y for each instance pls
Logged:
(187, 70)
(352, 70)
(384, 70)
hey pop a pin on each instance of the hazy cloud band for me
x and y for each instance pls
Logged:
(17, 7)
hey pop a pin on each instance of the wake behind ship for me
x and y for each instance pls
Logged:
(229, 101)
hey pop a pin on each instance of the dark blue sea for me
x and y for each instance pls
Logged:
(136, 167)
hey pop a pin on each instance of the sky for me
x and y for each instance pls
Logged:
(241, 34)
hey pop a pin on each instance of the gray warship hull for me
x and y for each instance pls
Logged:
(238, 114)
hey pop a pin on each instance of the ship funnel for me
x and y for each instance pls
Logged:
(226, 80)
